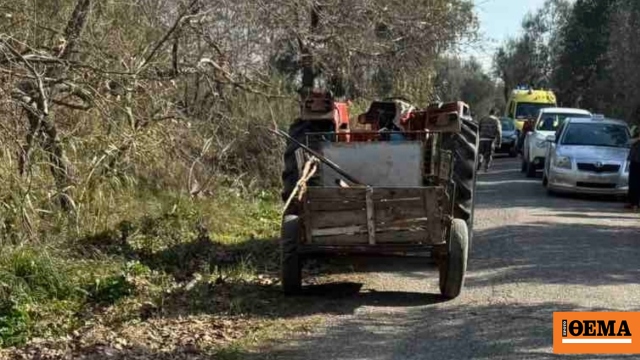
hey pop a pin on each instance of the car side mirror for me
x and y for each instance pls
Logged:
(551, 138)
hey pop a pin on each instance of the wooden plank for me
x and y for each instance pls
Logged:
(332, 219)
(348, 230)
(392, 237)
(399, 193)
(409, 203)
(419, 223)
(306, 224)
(383, 213)
(405, 225)
(318, 206)
(338, 194)
(371, 217)
(433, 207)
(399, 210)
(404, 237)
(358, 239)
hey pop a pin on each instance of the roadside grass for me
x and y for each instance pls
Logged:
(165, 257)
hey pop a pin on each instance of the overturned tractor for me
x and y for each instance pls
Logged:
(403, 186)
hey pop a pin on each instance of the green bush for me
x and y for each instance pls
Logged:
(14, 324)
(27, 274)
(109, 290)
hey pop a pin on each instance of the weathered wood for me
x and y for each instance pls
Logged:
(402, 225)
(434, 152)
(347, 230)
(307, 223)
(371, 217)
(319, 206)
(331, 219)
(337, 194)
(399, 210)
(391, 237)
(433, 208)
(383, 213)
(444, 171)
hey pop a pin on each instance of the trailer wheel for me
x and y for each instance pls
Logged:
(291, 264)
(464, 146)
(290, 176)
(453, 269)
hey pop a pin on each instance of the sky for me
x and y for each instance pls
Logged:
(499, 20)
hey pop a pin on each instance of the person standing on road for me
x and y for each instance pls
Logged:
(634, 171)
(490, 139)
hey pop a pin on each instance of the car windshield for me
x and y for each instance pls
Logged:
(529, 110)
(507, 124)
(589, 134)
(551, 122)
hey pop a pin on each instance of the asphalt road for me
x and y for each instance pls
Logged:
(533, 254)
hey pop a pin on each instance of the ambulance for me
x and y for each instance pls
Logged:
(525, 104)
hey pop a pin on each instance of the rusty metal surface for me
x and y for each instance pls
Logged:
(376, 163)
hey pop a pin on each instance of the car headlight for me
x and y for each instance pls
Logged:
(563, 162)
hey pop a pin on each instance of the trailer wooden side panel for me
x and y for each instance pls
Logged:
(343, 216)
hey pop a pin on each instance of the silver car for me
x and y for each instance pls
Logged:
(588, 155)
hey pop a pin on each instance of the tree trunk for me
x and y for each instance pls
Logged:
(308, 69)
(42, 127)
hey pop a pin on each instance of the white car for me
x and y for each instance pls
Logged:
(535, 143)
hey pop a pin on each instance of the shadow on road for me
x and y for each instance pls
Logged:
(456, 332)
(505, 187)
(557, 253)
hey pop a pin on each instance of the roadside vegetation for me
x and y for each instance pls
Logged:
(140, 201)
(583, 50)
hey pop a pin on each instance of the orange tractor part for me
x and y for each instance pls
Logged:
(391, 115)
(320, 105)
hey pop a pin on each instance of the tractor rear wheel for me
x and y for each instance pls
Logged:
(464, 146)
(454, 267)
(291, 264)
(290, 176)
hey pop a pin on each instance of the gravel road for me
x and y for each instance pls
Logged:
(533, 254)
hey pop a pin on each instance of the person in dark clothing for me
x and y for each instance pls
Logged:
(633, 201)
(490, 139)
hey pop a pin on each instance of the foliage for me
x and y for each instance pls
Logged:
(458, 79)
(530, 58)
(135, 154)
(583, 51)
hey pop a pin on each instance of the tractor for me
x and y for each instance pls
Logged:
(402, 185)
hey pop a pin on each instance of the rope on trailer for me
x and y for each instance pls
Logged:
(310, 168)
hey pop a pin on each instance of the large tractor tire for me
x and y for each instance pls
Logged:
(454, 267)
(290, 176)
(464, 146)
(291, 264)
